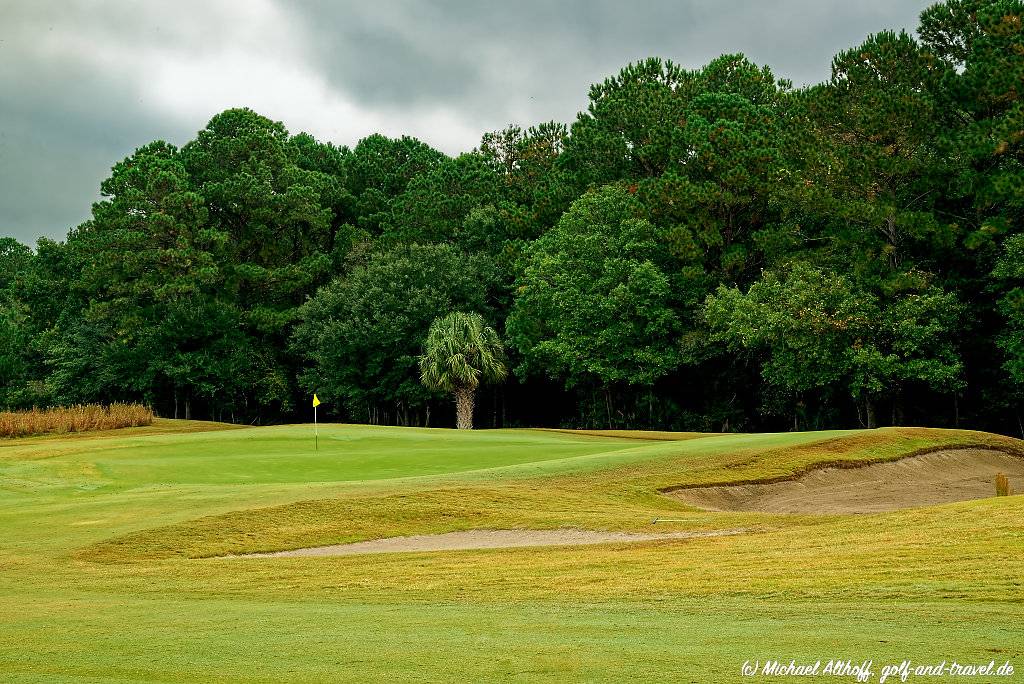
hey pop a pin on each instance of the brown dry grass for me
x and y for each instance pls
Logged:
(1002, 485)
(81, 418)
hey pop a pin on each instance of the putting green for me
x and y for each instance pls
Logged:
(108, 565)
(286, 454)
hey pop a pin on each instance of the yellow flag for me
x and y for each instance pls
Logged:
(316, 402)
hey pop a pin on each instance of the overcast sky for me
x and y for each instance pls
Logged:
(82, 84)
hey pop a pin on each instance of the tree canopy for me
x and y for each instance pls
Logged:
(706, 248)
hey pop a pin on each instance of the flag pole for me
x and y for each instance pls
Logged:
(316, 428)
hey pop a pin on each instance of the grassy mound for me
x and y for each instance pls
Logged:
(614, 489)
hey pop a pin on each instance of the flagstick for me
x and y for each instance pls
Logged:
(316, 432)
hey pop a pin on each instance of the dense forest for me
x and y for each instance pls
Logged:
(707, 249)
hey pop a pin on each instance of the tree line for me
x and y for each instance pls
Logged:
(701, 249)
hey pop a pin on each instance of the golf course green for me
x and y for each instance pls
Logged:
(120, 557)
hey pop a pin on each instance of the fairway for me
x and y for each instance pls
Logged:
(512, 342)
(113, 553)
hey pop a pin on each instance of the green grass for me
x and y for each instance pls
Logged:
(108, 567)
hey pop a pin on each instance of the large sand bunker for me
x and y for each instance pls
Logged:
(485, 539)
(925, 480)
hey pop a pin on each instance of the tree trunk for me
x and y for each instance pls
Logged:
(898, 410)
(464, 399)
(608, 406)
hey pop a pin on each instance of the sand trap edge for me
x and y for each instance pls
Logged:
(927, 478)
(839, 464)
(475, 540)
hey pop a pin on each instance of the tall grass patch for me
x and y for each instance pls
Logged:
(1002, 485)
(82, 418)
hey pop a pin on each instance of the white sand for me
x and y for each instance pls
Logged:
(487, 539)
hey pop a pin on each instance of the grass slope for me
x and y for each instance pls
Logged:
(106, 545)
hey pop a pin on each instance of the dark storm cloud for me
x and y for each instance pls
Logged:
(84, 83)
(60, 132)
(63, 121)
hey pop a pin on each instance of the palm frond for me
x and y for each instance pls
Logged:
(461, 351)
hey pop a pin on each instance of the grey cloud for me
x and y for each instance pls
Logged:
(61, 129)
(68, 112)
(490, 55)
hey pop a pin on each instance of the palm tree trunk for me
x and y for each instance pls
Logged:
(464, 399)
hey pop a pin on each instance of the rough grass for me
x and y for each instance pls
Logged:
(80, 418)
(929, 584)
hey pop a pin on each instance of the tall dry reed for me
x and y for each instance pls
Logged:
(73, 419)
(1002, 485)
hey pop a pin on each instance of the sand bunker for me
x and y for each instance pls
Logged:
(934, 478)
(485, 539)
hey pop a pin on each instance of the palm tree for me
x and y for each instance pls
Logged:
(460, 353)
